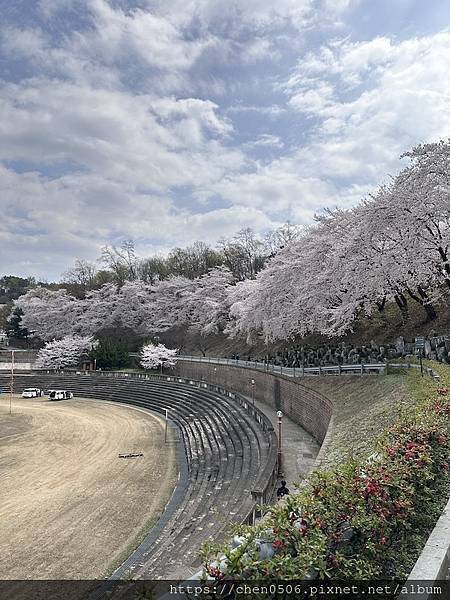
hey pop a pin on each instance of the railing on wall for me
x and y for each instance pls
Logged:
(290, 371)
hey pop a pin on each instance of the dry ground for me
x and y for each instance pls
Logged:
(69, 507)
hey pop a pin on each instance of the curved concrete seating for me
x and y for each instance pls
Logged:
(230, 456)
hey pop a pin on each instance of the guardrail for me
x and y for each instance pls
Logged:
(290, 371)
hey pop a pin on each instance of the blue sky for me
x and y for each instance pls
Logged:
(181, 120)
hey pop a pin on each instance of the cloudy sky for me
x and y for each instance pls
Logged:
(168, 121)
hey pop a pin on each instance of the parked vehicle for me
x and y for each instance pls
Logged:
(32, 393)
(60, 395)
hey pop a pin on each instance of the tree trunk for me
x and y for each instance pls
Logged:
(443, 255)
(381, 304)
(428, 306)
(402, 304)
(424, 301)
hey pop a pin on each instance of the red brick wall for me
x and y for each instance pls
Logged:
(306, 407)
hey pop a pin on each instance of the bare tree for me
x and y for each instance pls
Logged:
(82, 274)
(122, 261)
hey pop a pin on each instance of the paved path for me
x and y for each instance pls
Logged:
(299, 447)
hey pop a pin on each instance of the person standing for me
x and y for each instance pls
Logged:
(282, 490)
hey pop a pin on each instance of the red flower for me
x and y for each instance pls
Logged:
(440, 439)
(372, 487)
(383, 541)
(215, 572)
(277, 544)
(320, 523)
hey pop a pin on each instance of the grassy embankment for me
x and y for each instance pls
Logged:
(369, 510)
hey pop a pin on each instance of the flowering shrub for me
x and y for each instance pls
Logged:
(355, 521)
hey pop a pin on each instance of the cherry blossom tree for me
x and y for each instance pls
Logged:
(153, 356)
(208, 301)
(65, 352)
(49, 314)
(421, 194)
(393, 247)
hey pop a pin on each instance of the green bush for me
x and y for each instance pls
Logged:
(110, 354)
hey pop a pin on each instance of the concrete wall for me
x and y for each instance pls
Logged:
(304, 406)
(22, 366)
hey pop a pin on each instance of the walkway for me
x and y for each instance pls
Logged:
(299, 448)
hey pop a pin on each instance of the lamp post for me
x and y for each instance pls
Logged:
(253, 391)
(11, 389)
(280, 431)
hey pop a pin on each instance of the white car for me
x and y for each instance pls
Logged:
(60, 395)
(32, 393)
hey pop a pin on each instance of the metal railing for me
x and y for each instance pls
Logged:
(290, 371)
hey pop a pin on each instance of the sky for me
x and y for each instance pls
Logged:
(171, 121)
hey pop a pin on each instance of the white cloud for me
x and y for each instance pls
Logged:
(372, 100)
(355, 143)
(266, 140)
(75, 215)
(139, 140)
(121, 137)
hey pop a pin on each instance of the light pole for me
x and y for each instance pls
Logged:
(11, 390)
(280, 431)
(253, 391)
(165, 428)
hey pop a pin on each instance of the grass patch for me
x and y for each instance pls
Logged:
(362, 408)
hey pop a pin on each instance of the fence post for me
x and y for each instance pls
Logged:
(362, 368)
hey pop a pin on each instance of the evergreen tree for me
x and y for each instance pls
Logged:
(14, 328)
(110, 354)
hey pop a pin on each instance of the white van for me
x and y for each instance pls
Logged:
(32, 393)
(60, 395)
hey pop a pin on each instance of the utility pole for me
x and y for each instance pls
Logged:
(12, 382)
(165, 428)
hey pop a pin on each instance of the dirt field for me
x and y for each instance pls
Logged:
(70, 508)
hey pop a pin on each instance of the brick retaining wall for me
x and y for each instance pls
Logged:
(304, 406)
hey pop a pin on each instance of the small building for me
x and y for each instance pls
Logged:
(4, 339)
(86, 363)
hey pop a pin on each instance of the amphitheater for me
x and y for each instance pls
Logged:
(224, 446)
(212, 460)
(227, 460)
